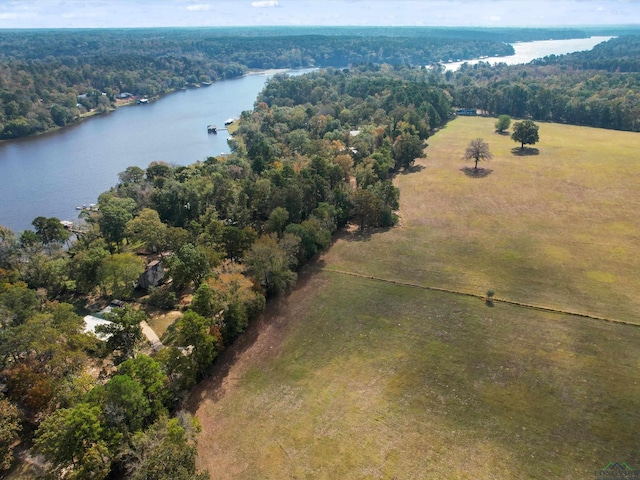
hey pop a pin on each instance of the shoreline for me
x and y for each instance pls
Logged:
(134, 101)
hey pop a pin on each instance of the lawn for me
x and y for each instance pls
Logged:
(558, 229)
(350, 377)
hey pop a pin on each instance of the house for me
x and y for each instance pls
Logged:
(152, 276)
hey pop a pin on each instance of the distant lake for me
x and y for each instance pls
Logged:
(528, 51)
(49, 175)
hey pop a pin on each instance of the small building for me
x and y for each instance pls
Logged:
(152, 276)
(90, 324)
(466, 111)
(212, 129)
(124, 95)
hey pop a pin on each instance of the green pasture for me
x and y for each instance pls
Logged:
(368, 379)
(559, 229)
(379, 381)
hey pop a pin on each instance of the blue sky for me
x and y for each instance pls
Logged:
(159, 13)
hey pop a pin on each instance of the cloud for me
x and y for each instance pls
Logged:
(265, 4)
(199, 7)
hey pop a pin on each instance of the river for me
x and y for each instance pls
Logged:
(528, 51)
(49, 175)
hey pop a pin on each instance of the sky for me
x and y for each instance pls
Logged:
(193, 13)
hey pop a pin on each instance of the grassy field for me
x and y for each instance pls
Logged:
(351, 377)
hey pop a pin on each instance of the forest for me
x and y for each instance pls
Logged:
(318, 151)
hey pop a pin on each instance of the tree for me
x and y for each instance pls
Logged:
(117, 273)
(367, 208)
(193, 330)
(407, 146)
(477, 150)
(125, 407)
(166, 451)
(204, 301)
(149, 374)
(124, 331)
(503, 123)
(9, 429)
(114, 214)
(60, 115)
(181, 372)
(72, 440)
(19, 301)
(50, 230)
(236, 241)
(277, 220)
(131, 175)
(85, 265)
(147, 228)
(268, 263)
(8, 247)
(189, 264)
(525, 132)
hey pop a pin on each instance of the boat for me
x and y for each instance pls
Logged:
(229, 121)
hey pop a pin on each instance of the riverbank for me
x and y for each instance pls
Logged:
(49, 174)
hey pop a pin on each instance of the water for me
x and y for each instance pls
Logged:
(528, 51)
(51, 174)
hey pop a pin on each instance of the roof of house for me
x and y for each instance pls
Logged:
(90, 324)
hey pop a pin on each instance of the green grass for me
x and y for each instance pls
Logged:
(558, 229)
(372, 380)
